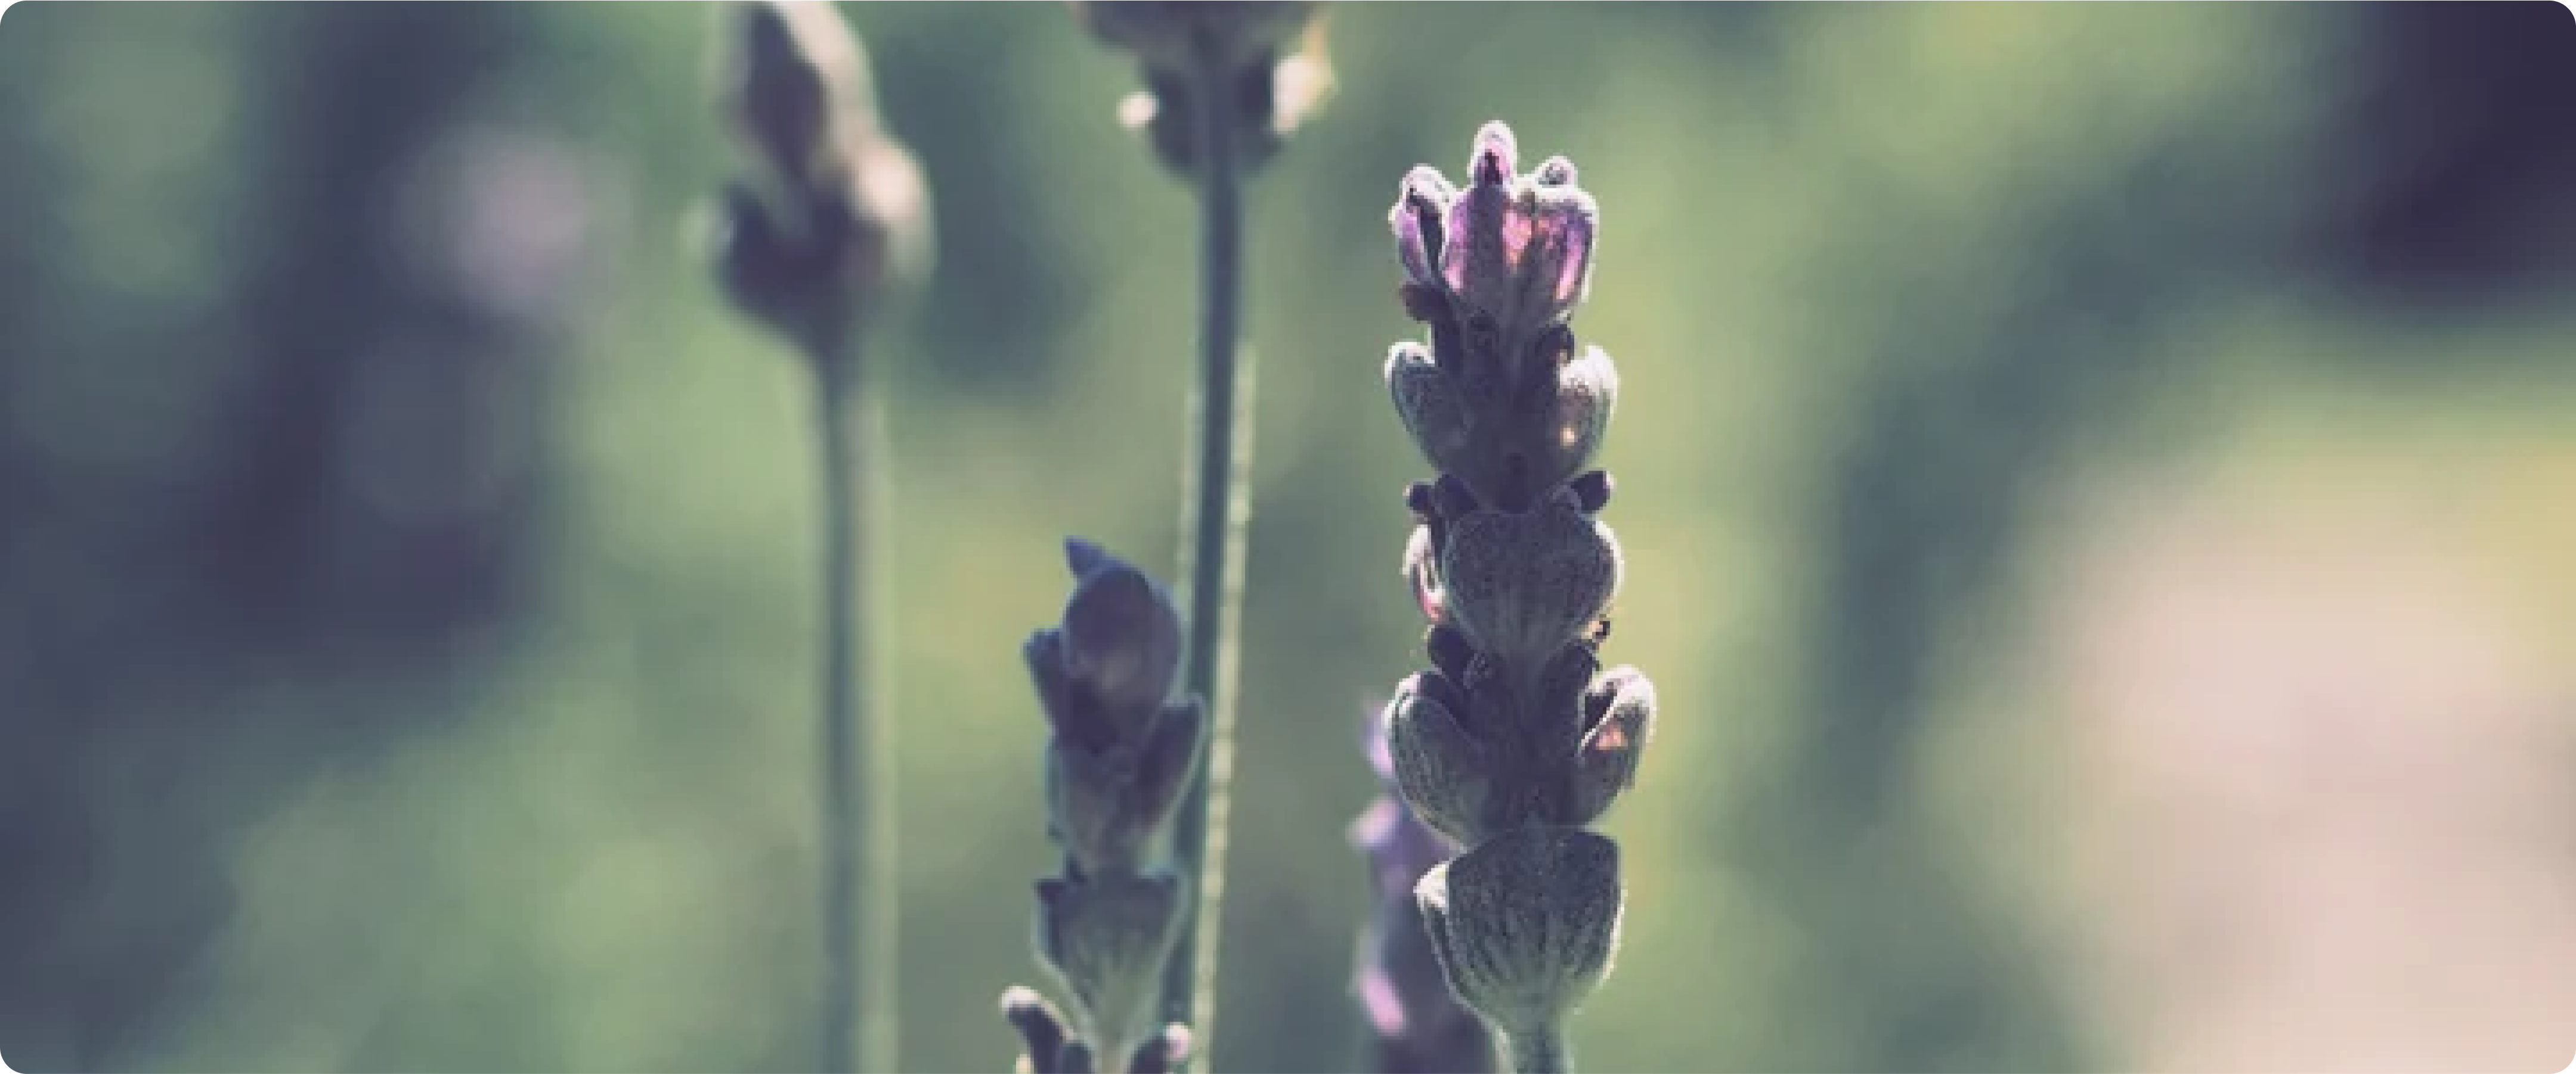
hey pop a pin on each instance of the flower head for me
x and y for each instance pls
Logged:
(1511, 254)
(1266, 57)
(1503, 399)
(832, 212)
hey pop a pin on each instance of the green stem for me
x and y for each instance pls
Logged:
(861, 870)
(1220, 515)
(1538, 1049)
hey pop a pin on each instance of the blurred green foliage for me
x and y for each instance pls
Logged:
(406, 666)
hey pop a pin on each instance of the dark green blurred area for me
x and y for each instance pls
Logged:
(405, 557)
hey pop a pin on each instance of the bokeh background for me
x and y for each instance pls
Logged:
(2099, 485)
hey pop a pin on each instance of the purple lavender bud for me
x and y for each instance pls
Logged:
(1513, 253)
(1041, 1026)
(1270, 59)
(1526, 923)
(832, 216)
(1108, 805)
(1619, 715)
(1071, 710)
(1122, 636)
(1522, 585)
(1165, 1052)
(1421, 208)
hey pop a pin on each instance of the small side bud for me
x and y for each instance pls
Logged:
(1591, 490)
(1419, 221)
(1427, 400)
(1422, 568)
(1069, 708)
(1041, 1027)
(1167, 759)
(1527, 923)
(1587, 391)
(1442, 770)
(1107, 938)
(1619, 713)
(1108, 807)
(1164, 1053)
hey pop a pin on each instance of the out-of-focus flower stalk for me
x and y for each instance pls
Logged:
(1224, 87)
(1416, 1025)
(1118, 758)
(828, 222)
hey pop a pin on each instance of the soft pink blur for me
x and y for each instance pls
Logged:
(2318, 749)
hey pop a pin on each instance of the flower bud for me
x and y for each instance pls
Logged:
(1520, 585)
(1587, 389)
(1444, 772)
(1166, 34)
(1108, 806)
(1430, 406)
(1509, 451)
(1511, 252)
(1070, 709)
(1041, 1027)
(1591, 490)
(1526, 924)
(1266, 56)
(833, 213)
(1122, 635)
(1422, 569)
(1106, 938)
(1619, 715)
(797, 78)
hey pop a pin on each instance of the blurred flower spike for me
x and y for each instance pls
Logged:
(1266, 55)
(1419, 1027)
(1121, 753)
(831, 216)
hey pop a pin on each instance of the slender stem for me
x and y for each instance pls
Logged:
(860, 864)
(1539, 1049)
(1219, 519)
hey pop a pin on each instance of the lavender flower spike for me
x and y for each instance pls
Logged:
(1416, 1024)
(1514, 741)
(1119, 757)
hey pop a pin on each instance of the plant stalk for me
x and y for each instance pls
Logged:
(1538, 1049)
(861, 868)
(1219, 518)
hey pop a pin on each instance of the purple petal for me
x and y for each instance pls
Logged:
(1376, 826)
(1377, 995)
(1416, 219)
